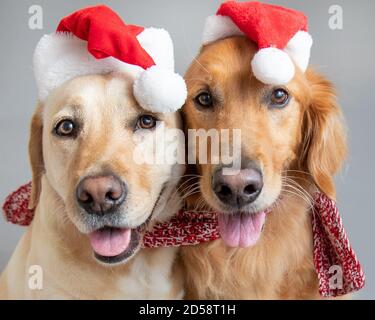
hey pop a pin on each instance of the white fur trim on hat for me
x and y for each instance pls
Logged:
(273, 66)
(219, 27)
(299, 49)
(60, 57)
(160, 90)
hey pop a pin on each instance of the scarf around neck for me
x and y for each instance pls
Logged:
(338, 269)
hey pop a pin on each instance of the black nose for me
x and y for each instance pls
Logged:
(101, 194)
(239, 189)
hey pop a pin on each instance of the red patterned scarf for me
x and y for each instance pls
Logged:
(339, 271)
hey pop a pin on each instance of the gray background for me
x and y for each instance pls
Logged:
(345, 56)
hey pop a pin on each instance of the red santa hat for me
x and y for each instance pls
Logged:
(280, 33)
(95, 40)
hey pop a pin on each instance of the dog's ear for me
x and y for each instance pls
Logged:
(324, 137)
(36, 156)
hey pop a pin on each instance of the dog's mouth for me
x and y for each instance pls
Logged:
(114, 245)
(241, 229)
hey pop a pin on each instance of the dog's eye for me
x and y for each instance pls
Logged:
(146, 122)
(279, 98)
(204, 99)
(65, 128)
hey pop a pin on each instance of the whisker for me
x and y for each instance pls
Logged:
(298, 171)
(298, 193)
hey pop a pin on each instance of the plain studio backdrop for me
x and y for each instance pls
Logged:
(345, 55)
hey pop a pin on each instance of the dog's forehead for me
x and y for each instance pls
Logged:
(111, 93)
(226, 61)
(93, 92)
(110, 89)
(230, 53)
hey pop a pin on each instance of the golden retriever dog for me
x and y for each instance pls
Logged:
(88, 194)
(292, 143)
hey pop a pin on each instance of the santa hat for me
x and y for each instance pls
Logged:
(280, 33)
(95, 40)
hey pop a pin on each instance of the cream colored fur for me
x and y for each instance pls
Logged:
(57, 240)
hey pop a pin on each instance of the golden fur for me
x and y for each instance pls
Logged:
(299, 148)
(57, 240)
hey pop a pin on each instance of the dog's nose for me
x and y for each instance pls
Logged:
(239, 189)
(101, 194)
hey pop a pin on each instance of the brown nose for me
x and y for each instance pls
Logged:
(239, 189)
(101, 194)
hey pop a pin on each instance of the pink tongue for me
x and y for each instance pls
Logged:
(241, 230)
(110, 242)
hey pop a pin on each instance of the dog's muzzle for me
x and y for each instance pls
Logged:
(101, 198)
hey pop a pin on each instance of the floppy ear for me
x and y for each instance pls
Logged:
(324, 137)
(36, 156)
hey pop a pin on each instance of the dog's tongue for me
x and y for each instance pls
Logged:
(241, 230)
(110, 242)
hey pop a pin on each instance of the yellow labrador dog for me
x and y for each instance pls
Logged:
(89, 193)
(108, 95)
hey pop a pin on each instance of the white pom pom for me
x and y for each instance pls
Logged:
(299, 49)
(273, 66)
(160, 90)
